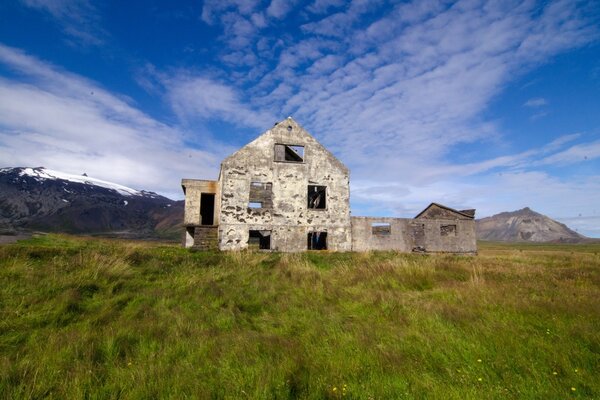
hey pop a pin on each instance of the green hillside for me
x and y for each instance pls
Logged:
(107, 319)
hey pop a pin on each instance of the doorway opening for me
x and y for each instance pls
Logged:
(207, 208)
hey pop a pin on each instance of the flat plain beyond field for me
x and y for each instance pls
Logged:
(95, 318)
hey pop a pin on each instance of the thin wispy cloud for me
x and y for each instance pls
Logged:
(197, 97)
(536, 102)
(79, 19)
(72, 124)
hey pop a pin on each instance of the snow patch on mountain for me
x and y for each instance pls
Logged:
(44, 173)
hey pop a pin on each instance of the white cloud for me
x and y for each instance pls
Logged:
(279, 8)
(196, 97)
(64, 122)
(574, 154)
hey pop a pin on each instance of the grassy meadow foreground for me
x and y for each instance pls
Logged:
(93, 318)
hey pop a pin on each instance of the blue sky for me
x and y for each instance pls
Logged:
(493, 105)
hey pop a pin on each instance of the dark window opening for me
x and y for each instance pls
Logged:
(448, 230)
(381, 228)
(291, 153)
(317, 197)
(317, 241)
(259, 240)
(207, 208)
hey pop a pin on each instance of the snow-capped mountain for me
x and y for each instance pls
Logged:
(41, 174)
(45, 199)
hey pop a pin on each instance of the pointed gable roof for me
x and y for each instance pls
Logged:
(286, 131)
(436, 210)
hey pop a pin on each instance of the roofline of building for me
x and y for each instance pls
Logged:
(446, 208)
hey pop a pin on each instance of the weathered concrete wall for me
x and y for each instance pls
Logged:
(441, 229)
(193, 189)
(192, 219)
(462, 241)
(289, 218)
(363, 238)
(428, 235)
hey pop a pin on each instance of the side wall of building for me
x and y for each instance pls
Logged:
(193, 219)
(367, 234)
(421, 235)
(448, 235)
(287, 216)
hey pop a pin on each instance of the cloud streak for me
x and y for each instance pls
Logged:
(69, 123)
(79, 19)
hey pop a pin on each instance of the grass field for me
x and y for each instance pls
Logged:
(107, 319)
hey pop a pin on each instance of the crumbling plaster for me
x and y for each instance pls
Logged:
(289, 219)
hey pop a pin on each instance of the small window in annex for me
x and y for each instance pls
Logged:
(317, 197)
(289, 153)
(448, 230)
(381, 228)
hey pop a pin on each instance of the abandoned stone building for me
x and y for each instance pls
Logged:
(284, 191)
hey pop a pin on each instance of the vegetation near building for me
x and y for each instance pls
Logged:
(284, 191)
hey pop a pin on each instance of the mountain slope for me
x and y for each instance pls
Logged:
(524, 225)
(43, 199)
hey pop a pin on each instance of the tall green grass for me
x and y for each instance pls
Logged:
(102, 319)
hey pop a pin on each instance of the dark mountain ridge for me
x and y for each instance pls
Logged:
(47, 200)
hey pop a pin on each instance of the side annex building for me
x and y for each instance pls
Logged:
(285, 192)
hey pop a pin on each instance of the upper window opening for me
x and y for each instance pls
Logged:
(317, 197)
(290, 153)
(381, 228)
(261, 195)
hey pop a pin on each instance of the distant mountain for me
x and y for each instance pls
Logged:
(43, 199)
(525, 225)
